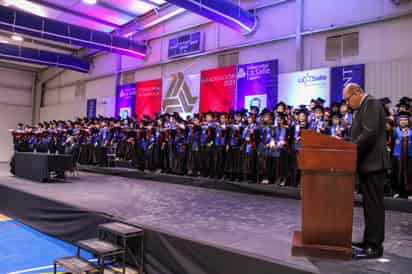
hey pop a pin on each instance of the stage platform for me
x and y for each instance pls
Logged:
(124, 170)
(191, 229)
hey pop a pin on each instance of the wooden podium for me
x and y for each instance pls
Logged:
(328, 167)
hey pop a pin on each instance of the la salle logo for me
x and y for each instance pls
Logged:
(179, 97)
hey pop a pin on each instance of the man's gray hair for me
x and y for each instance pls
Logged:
(353, 87)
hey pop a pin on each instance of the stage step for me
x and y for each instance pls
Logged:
(121, 229)
(126, 232)
(74, 265)
(100, 248)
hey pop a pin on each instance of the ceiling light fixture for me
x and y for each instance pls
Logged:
(90, 2)
(27, 6)
(17, 38)
(156, 21)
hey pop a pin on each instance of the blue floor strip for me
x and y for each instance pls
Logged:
(26, 250)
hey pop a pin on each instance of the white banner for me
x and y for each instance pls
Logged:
(298, 88)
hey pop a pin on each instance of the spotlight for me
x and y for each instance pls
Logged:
(90, 2)
(4, 41)
(17, 38)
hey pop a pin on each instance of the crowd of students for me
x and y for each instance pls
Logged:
(255, 146)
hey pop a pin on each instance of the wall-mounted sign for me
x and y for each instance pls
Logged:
(186, 45)
(91, 108)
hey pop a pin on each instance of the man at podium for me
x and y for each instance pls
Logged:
(369, 134)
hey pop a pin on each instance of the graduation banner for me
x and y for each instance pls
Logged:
(181, 94)
(341, 76)
(298, 88)
(125, 100)
(257, 84)
(148, 97)
(217, 89)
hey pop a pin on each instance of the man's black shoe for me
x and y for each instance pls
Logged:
(360, 245)
(368, 253)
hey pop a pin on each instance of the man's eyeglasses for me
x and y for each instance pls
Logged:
(347, 99)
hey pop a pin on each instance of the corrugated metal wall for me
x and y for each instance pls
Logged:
(391, 79)
(15, 105)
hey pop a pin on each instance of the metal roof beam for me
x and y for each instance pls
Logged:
(76, 13)
(43, 28)
(117, 9)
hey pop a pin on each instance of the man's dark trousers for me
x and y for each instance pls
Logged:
(371, 185)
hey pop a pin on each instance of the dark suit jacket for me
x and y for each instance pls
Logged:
(368, 132)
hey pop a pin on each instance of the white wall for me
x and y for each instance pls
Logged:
(390, 79)
(378, 42)
(15, 105)
(381, 42)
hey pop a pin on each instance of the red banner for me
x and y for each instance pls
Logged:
(217, 89)
(148, 97)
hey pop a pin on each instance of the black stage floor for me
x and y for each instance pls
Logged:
(254, 226)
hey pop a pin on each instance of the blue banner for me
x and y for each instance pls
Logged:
(257, 85)
(341, 76)
(91, 108)
(126, 100)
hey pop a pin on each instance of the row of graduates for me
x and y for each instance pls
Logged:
(254, 147)
(243, 145)
(399, 146)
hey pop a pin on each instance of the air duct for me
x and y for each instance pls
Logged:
(39, 27)
(42, 57)
(221, 11)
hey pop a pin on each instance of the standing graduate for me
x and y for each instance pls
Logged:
(43, 140)
(311, 114)
(403, 105)
(103, 143)
(402, 156)
(335, 107)
(171, 147)
(248, 150)
(180, 148)
(219, 152)
(318, 125)
(140, 144)
(267, 154)
(193, 139)
(347, 117)
(281, 148)
(295, 140)
(234, 157)
(164, 141)
(278, 109)
(336, 129)
(151, 153)
(206, 143)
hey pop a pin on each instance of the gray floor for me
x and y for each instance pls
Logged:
(257, 225)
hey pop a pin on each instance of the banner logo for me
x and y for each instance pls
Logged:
(179, 98)
(309, 79)
(259, 100)
(347, 76)
(126, 92)
(241, 73)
